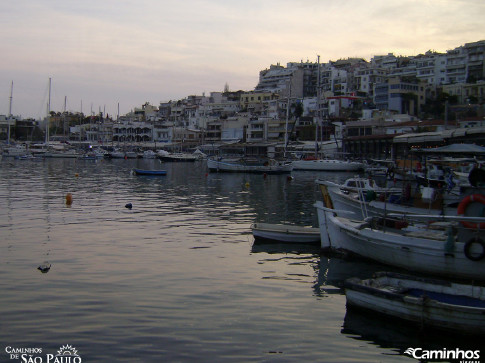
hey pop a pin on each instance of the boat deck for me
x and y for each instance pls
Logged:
(460, 300)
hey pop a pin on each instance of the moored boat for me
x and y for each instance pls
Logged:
(15, 151)
(149, 154)
(451, 246)
(244, 165)
(426, 302)
(177, 157)
(285, 233)
(148, 172)
(364, 198)
(328, 165)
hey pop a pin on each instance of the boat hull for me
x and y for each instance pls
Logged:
(149, 172)
(235, 167)
(429, 303)
(350, 201)
(286, 233)
(327, 165)
(420, 251)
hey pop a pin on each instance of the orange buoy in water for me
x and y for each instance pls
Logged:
(68, 199)
(247, 184)
(76, 175)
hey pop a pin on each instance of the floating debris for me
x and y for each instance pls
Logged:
(68, 199)
(44, 267)
(129, 205)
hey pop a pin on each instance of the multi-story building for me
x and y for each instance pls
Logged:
(456, 65)
(366, 78)
(132, 132)
(400, 94)
(254, 102)
(431, 68)
(467, 92)
(476, 61)
(277, 79)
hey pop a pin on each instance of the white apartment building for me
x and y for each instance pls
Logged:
(456, 65)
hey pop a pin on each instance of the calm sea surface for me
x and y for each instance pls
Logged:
(177, 278)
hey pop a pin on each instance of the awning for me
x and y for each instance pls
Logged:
(457, 149)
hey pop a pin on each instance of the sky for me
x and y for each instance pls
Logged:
(103, 53)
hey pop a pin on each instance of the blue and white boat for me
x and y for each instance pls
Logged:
(148, 172)
(246, 165)
(427, 302)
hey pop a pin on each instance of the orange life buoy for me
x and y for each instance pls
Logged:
(462, 209)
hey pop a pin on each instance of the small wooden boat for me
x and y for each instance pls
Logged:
(328, 165)
(427, 302)
(247, 165)
(148, 172)
(177, 157)
(286, 233)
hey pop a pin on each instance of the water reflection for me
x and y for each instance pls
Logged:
(175, 278)
(327, 274)
(397, 335)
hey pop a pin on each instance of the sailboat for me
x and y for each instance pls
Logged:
(16, 151)
(55, 150)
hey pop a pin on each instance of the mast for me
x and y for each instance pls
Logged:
(287, 117)
(48, 115)
(9, 113)
(80, 121)
(318, 107)
(64, 117)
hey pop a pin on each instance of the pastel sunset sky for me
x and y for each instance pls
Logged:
(105, 52)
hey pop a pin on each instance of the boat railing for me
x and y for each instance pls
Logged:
(320, 205)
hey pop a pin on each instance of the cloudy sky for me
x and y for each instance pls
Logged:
(101, 53)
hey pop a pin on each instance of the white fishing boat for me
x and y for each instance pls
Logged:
(328, 165)
(245, 165)
(286, 233)
(426, 302)
(116, 154)
(451, 246)
(131, 155)
(58, 150)
(149, 154)
(100, 153)
(15, 151)
(177, 157)
(365, 198)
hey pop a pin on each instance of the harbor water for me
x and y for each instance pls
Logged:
(177, 277)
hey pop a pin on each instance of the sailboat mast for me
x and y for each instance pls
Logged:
(10, 113)
(80, 121)
(64, 116)
(318, 107)
(10, 105)
(48, 115)
(287, 117)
